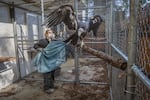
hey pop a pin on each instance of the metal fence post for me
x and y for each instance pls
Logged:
(76, 49)
(110, 30)
(12, 14)
(42, 15)
(131, 52)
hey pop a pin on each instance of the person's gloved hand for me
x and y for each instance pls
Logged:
(39, 49)
(35, 46)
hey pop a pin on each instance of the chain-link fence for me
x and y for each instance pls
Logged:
(143, 50)
(120, 22)
(117, 27)
(143, 39)
(119, 36)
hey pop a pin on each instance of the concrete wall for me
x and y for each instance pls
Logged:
(28, 29)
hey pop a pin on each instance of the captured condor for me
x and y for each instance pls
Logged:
(66, 14)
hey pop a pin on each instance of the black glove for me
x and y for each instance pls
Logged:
(35, 46)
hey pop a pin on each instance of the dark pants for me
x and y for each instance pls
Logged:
(49, 80)
(70, 51)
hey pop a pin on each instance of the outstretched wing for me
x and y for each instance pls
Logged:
(54, 18)
(64, 14)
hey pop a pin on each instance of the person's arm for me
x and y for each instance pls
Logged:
(41, 44)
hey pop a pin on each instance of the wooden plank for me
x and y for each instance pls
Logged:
(3, 59)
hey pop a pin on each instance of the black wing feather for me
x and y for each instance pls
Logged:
(54, 18)
(50, 22)
(58, 21)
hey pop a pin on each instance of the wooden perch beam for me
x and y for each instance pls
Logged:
(118, 63)
(3, 59)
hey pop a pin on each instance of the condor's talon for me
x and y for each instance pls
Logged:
(82, 43)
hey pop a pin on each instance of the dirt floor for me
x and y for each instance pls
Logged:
(90, 70)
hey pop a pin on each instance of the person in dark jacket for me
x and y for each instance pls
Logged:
(49, 36)
(49, 76)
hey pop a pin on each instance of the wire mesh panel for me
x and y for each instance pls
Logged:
(118, 37)
(120, 24)
(143, 50)
(141, 91)
(92, 70)
(86, 11)
(143, 39)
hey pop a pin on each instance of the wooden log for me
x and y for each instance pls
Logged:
(118, 63)
(3, 59)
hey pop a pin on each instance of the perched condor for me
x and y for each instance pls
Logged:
(94, 24)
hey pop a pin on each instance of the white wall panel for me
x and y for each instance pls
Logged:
(6, 28)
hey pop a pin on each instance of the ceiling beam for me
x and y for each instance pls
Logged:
(9, 4)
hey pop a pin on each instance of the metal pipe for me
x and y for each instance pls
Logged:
(19, 7)
(42, 15)
(62, 80)
(6, 37)
(96, 83)
(95, 7)
(109, 38)
(70, 81)
(138, 72)
(28, 4)
(100, 39)
(12, 14)
(111, 95)
(97, 42)
(76, 65)
(66, 81)
(22, 47)
(119, 52)
(131, 50)
(76, 49)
